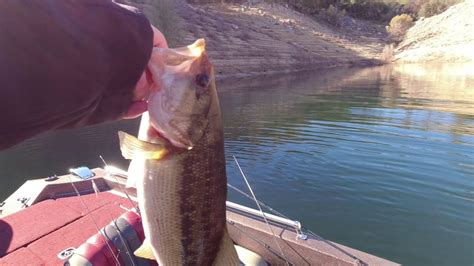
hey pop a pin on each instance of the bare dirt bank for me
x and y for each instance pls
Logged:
(270, 38)
(444, 38)
(264, 38)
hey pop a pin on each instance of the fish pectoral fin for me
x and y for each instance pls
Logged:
(145, 251)
(132, 147)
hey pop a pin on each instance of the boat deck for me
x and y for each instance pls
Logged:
(36, 235)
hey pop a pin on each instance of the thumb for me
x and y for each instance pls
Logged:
(159, 39)
(136, 109)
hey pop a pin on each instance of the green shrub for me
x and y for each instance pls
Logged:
(428, 8)
(333, 15)
(378, 10)
(413, 6)
(435, 7)
(309, 6)
(398, 26)
(372, 10)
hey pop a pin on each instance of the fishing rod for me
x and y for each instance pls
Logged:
(261, 211)
(106, 166)
(117, 262)
(299, 231)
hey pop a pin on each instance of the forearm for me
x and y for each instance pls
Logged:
(62, 61)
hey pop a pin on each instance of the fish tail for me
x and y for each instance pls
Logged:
(227, 254)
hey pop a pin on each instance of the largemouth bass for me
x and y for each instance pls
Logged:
(181, 176)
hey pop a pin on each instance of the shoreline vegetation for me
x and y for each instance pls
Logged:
(255, 37)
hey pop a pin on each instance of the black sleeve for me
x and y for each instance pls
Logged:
(67, 63)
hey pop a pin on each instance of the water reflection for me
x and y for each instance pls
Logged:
(379, 159)
(382, 96)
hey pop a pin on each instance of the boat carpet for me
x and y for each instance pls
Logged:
(37, 234)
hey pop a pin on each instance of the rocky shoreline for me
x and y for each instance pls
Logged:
(264, 39)
(445, 38)
(270, 39)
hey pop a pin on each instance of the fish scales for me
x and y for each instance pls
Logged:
(203, 218)
(180, 170)
(189, 194)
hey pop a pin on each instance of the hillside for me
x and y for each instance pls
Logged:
(444, 38)
(264, 38)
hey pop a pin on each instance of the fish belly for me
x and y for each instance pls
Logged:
(160, 212)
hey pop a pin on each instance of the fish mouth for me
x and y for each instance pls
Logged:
(179, 108)
(177, 139)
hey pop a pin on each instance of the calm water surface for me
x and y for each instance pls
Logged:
(378, 159)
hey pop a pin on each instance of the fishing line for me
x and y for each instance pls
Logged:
(261, 203)
(357, 260)
(121, 188)
(261, 242)
(260, 208)
(111, 216)
(361, 262)
(117, 262)
(127, 251)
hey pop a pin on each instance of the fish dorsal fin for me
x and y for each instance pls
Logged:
(194, 50)
(132, 147)
(145, 251)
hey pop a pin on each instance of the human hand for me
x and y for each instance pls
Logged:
(144, 84)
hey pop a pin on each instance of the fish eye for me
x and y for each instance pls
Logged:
(202, 80)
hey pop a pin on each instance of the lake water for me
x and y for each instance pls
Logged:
(379, 159)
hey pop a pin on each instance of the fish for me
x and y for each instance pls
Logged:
(179, 171)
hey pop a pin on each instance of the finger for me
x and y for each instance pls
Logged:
(159, 39)
(154, 71)
(136, 109)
